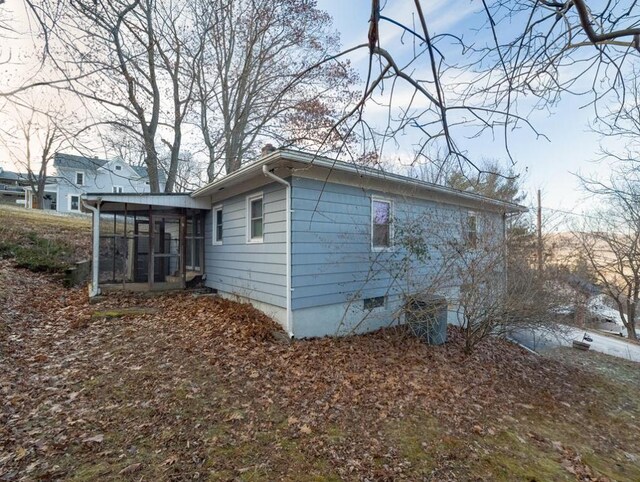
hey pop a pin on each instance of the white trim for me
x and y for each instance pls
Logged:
(115, 189)
(76, 179)
(70, 201)
(391, 233)
(94, 287)
(467, 230)
(214, 235)
(250, 199)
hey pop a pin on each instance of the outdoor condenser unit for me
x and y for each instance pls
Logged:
(426, 316)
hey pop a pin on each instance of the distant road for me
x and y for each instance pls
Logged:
(538, 341)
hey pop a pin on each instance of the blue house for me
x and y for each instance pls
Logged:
(323, 247)
(77, 175)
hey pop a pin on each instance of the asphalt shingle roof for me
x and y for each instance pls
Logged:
(77, 162)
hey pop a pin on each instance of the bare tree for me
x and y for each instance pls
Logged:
(127, 61)
(609, 240)
(516, 57)
(36, 133)
(260, 76)
(190, 173)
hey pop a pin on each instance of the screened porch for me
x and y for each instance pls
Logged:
(148, 246)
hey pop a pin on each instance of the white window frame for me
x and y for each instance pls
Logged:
(76, 179)
(467, 231)
(117, 189)
(214, 234)
(375, 199)
(118, 167)
(250, 199)
(71, 196)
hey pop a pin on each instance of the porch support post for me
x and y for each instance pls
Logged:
(94, 289)
(151, 249)
(183, 250)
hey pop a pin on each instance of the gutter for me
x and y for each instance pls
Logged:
(94, 290)
(268, 173)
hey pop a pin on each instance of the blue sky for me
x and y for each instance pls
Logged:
(548, 164)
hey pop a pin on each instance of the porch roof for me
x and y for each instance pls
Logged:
(116, 202)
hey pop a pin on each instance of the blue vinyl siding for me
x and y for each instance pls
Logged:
(252, 270)
(332, 258)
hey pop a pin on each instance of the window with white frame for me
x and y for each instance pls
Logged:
(74, 203)
(217, 225)
(117, 189)
(80, 178)
(118, 167)
(254, 218)
(381, 228)
(471, 235)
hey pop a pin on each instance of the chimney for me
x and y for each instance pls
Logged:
(268, 149)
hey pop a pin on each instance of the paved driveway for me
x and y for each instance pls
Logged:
(605, 344)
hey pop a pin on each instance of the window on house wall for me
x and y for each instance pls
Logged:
(74, 203)
(371, 303)
(217, 225)
(254, 218)
(118, 167)
(117, 189)
(80, 178)
(381, 229)
(471, 236)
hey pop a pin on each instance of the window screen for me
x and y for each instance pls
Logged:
(255, 219)
(218, 226)
(381, 224)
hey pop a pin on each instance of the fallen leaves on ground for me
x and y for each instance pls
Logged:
(191, 387)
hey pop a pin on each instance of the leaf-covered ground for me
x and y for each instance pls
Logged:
(177, 387)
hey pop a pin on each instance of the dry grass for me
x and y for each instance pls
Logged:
(43, 240)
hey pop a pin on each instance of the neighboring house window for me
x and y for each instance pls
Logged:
(254, 218)
(80, 178)
(118, 167)
(117, 189)
(74, 203)
(471, 236)
(217, 225)
(381, 229)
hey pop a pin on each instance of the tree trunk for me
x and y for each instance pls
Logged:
(152, 166)
(630, 325)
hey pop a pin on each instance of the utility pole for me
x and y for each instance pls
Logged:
(540, 260)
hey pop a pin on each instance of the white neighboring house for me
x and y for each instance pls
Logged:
(77, 175)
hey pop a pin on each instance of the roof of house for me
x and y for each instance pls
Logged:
(72, 161)
(13, 176)
(298, 160)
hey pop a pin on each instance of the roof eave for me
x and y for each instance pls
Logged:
(320, 161)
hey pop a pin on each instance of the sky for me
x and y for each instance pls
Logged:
(548, 165)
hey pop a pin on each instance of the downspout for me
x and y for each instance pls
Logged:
(268, 173)
(94, 290)
(506, 250)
